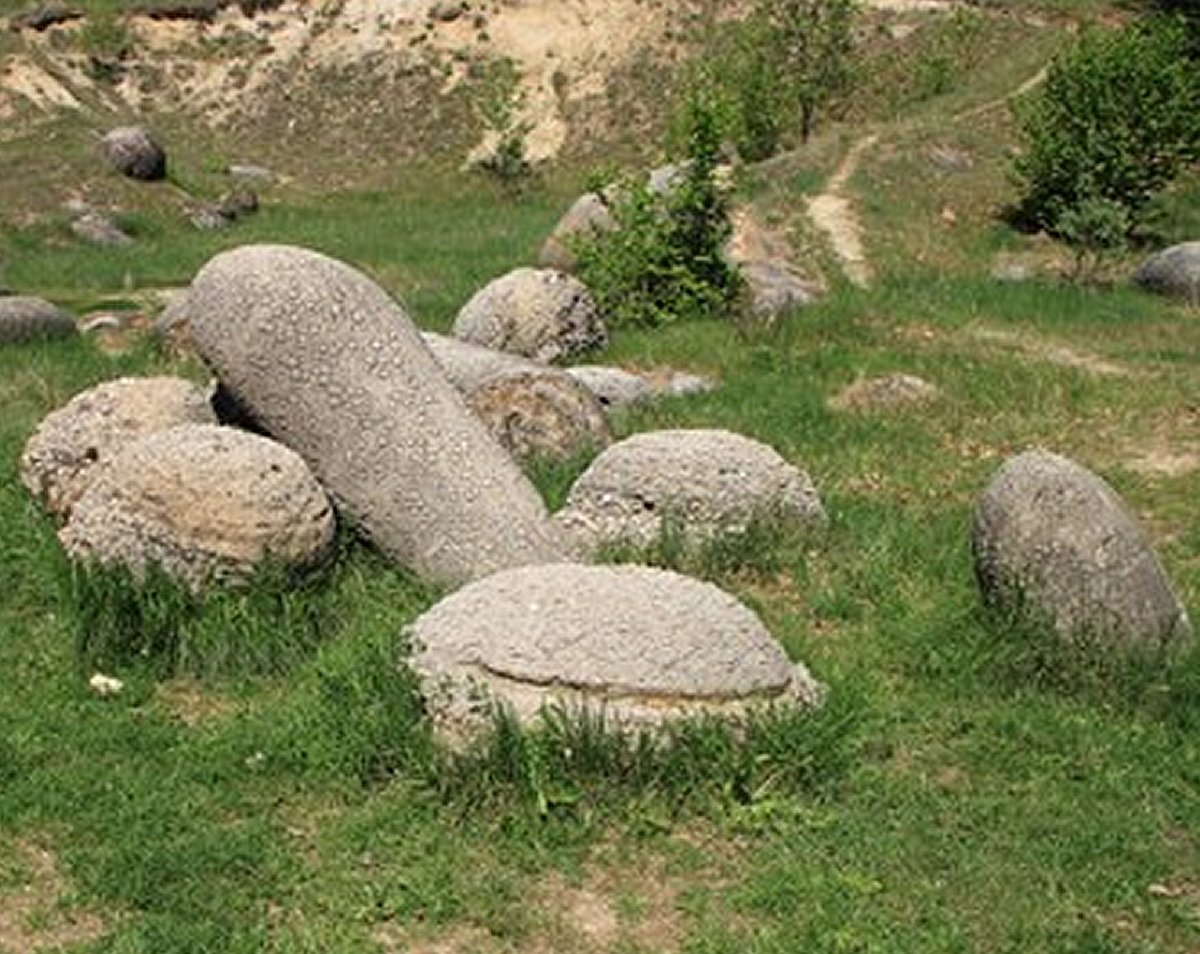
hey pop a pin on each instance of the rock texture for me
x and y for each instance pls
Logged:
(23, 318)
(1174, 272)
(638, 645)
(328, 364)
(469, 365)
(773, 287)
(697, 483)
(613, 387)
(97, 228)
(64, 454)
(134, 152)
(205, 504)
(1054, 540)
(538, 313)
(587, 216)
(890, 392)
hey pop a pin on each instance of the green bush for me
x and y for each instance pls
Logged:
(1117, 120)
(665, 260)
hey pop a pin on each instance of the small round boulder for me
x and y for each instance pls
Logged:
(588, 216)
(1174, 272)
(134, 152)
(697, 483)
(205, 504)
(889, 392)
(61, 458)
(1054, 541)
(26, 318)
(538, 313)
(638, 646)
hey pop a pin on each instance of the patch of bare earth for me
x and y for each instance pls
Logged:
(188, 702)
(35, 913)
(1038, 348)
(832, 211)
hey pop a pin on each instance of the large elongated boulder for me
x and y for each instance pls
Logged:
(328, 364)
(63, 455)
(697, 483)
(538, 313)
(637, 645)
(1174, 272)
(204, 504)
(1053, 540)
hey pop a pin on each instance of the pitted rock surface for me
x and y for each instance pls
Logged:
(540, 413)
(204, 503)
(1053, 539)
(640, 644)
(698, 483)
(62, 457)
(134, 153)
(890, 392)
(328, 364)
(469, 365)
(614, 387)
(1174, 272)
(25, 318)
(541, 314)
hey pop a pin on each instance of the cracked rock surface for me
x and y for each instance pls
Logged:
(328, 364)
(61, 458)
(697, 483)
(204, 503)
(641, 645)
(1052, 539)
(541, 314)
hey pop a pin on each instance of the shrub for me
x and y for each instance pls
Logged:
(499, 101)
(665, 261)
(1117, 119)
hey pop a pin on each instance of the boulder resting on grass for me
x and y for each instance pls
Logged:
(26, 318)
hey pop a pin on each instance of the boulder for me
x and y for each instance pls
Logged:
(64, 454)
(587, 216)
(134, 153)
(1053, 540)
(697, 483)
(97, 228)
(468, 365)
(330, 365)
(248, 174)
(634, 645)
(613, 387)
(773, 287)
(1174, 272)
(537, 313)
(23, 318)
(203, 503)
(890, 392)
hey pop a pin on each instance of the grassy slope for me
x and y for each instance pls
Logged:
(966, 793)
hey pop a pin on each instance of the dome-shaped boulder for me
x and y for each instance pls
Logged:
(25, 318)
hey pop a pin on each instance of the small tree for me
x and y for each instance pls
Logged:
(1117, 119)
(813, 40)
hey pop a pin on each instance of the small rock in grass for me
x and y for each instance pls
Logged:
(25, 318)
(890, 392)
(203, 503)
(1054, 541)
(614, 387)
(104, 685)
(135, 153)
(636, 646)
(1174, 272)
(98, 229)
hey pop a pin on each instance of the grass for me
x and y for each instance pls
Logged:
(265, 781)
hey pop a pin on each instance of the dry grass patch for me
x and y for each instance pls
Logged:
(36, 909)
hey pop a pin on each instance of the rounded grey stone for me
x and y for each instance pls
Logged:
(469, 365)
(205, 504)
(541, 314)
(1053, 540)
(614, 387)
(1174, 272)
(639, 645)
(97, 228)
(328, 364)
(24, 318)
(134, 153)
(697, 483)
(773, 288)
(588, 216)
(62, 457)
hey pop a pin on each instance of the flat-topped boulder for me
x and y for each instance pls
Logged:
(327, 363)
(697, 483)
(27, 318)
(204, 504)
(541, 314)
(1055, 542)
(63, 455)
(641, 646)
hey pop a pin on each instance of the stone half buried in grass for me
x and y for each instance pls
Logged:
(696, 483)
(638, 646)
(204, 504)
(1054, 542)
(26, 318)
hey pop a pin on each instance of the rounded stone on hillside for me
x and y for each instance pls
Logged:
(1053, 541)
(887, 393)
(203, 503)
(1174, 272)
(588, 216)
(639, 646)
(62, 457)
(27, 318)
(325, 361)
(696, 483)
(133, 152)
(541, 314)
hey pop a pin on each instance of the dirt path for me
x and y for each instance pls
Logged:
(832, 212)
